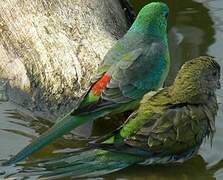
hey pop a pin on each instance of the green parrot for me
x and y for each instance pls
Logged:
(136, 64)
(167, 127)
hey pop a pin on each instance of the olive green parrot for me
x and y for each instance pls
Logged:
(167, 127)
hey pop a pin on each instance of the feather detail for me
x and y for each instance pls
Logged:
(100, 84)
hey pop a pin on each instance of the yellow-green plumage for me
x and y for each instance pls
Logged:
(167, 127)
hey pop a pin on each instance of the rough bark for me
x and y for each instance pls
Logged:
(50, 48)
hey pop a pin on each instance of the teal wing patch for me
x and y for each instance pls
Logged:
(137, 73)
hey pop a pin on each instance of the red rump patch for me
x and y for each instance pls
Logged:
(100, 84)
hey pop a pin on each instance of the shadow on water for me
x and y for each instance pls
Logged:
(194, 29)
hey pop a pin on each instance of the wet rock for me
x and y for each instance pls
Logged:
(50, 49)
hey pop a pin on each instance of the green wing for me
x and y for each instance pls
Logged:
(131, 79)
(177, 129)
(137, 72)
(164, 128)
(89, 101)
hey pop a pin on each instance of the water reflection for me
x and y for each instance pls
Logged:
(168, 172)
(195, 29)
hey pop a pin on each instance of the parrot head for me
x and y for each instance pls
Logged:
(152, 20)
(197, 80)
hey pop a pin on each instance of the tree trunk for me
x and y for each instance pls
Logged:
(50, 48)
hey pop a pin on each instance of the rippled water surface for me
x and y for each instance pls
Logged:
(195, 28)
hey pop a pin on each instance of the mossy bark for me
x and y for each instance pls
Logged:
(50, 49)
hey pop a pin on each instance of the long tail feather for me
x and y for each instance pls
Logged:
(90, 163)
(60, 128)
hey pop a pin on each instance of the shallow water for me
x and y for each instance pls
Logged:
(195, 28)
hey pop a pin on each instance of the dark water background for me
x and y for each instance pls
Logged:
(195, 28)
